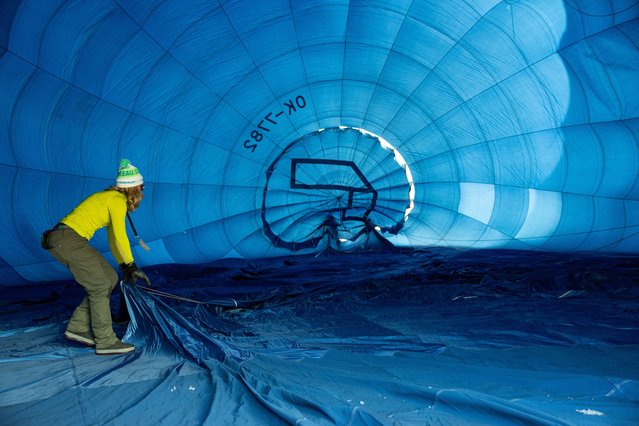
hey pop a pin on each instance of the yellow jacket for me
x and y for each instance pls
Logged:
(106, 208)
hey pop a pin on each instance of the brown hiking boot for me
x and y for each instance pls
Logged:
(84, 337)
(116, 348)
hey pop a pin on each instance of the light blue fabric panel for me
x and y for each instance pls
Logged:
(494, 124)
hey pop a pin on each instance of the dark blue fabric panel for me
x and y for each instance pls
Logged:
(439, 336)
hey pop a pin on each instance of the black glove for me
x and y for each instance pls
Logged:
(132, 274)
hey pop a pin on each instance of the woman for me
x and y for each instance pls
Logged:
(68, 242)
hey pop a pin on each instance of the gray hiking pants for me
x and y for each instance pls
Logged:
(93, 272)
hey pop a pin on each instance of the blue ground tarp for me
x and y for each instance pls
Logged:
(426, 337)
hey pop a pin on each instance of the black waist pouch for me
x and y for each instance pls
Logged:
(44, 240)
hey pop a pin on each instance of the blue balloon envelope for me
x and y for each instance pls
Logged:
(496, 125)
(296, 128)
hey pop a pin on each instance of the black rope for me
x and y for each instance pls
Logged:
(137, 237)
(132, 226)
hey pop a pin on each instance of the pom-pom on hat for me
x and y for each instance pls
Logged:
(128, 175)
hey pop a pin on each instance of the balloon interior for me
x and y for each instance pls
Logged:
(355, 212)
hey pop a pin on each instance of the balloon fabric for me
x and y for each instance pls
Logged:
(355, 211)
(424, 337)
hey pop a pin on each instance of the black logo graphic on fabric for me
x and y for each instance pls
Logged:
(319, 191)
